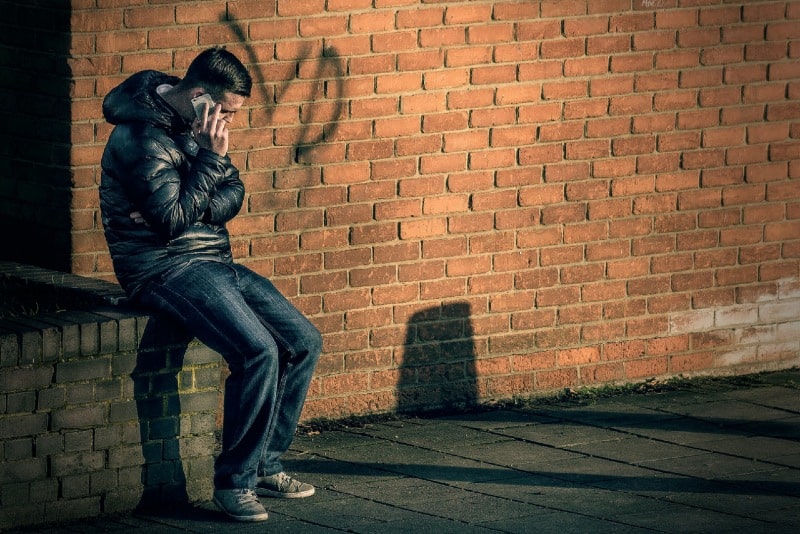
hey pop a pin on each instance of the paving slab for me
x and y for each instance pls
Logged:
(720, 456)
(560, 434)
(635, 450)
(696, 520)
(763, 447)
(687, 431)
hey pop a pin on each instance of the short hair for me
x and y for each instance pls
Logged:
(219, 71)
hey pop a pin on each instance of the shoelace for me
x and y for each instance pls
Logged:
(245, 496)
(284, 481)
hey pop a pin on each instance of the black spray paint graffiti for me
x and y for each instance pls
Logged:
(328, 69)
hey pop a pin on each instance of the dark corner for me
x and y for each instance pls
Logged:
(35, 89)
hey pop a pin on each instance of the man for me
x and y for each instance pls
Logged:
(167, 190)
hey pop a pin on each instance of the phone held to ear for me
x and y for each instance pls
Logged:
(197, 104)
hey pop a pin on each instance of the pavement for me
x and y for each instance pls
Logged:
(705, 455)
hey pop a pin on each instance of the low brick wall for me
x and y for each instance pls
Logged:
(101, 411)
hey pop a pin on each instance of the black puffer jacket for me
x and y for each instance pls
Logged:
(152, 165)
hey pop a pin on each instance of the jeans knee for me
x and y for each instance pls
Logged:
(263, 361)
(313, 343)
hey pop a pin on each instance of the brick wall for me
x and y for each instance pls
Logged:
(481, 199)
(101, 410)
(472, 200)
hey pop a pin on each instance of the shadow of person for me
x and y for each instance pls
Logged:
(156, 392)
(438, 363)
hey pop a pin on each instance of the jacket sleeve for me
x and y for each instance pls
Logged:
(227, 199)
(170, 194)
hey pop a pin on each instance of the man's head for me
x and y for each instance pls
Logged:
(219, 74)
(218, 71)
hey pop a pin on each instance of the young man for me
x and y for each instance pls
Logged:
(167, 190)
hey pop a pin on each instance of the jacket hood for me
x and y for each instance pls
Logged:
(136, 100)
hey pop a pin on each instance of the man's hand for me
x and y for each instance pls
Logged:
(137, 218)
(211, 131)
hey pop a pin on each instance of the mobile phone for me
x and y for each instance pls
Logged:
(197, 104)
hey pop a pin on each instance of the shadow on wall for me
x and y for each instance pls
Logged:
(329, 70)
(35, 91)
(438, 366)
(155, 386)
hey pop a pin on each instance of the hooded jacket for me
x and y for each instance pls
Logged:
(152, 165)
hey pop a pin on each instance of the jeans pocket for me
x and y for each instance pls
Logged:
(176, 271)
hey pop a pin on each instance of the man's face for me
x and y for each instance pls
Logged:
(231, 103)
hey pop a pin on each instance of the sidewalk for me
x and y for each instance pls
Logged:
(712, 456)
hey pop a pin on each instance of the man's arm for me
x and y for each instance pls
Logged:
(211, 133)
(227, 199)
(165, 192)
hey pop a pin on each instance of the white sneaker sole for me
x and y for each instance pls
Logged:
(264, 492)
(250, 518)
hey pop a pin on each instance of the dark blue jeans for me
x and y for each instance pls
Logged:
(271, 350)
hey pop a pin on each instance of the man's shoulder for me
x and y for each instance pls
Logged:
(135, 140)
(140, 133)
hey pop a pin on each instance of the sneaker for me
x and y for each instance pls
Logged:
(240, 504)
(283, 486)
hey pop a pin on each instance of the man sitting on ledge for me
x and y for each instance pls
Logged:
(168, 188)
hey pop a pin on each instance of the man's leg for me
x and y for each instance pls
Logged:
(206, 299)
(300, 344)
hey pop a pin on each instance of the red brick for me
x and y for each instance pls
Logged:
(631, 63)
(465, 141)
(584, 150)
(517, 219)
(518, 53)
(563, 48)
(534, 361)
(633, 145)
(738, 115)
(651, 367)
(561, 131)
(582, 110)
(581, 314)
(763, 93)
(564, 90)
(436, 37)
(607, 44)
(580, 356)
(459, 57)
(537, 113)
(779, 231)
(556, 9)
(740, 74)
(585, 26)
(490, 33)
(492, 159)
(397, 127)
(556, 379)
(731, 136)
(445, 79)
(777, 31)
(540, 70)
(397, 83)
(372, 64)
(561, 256)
